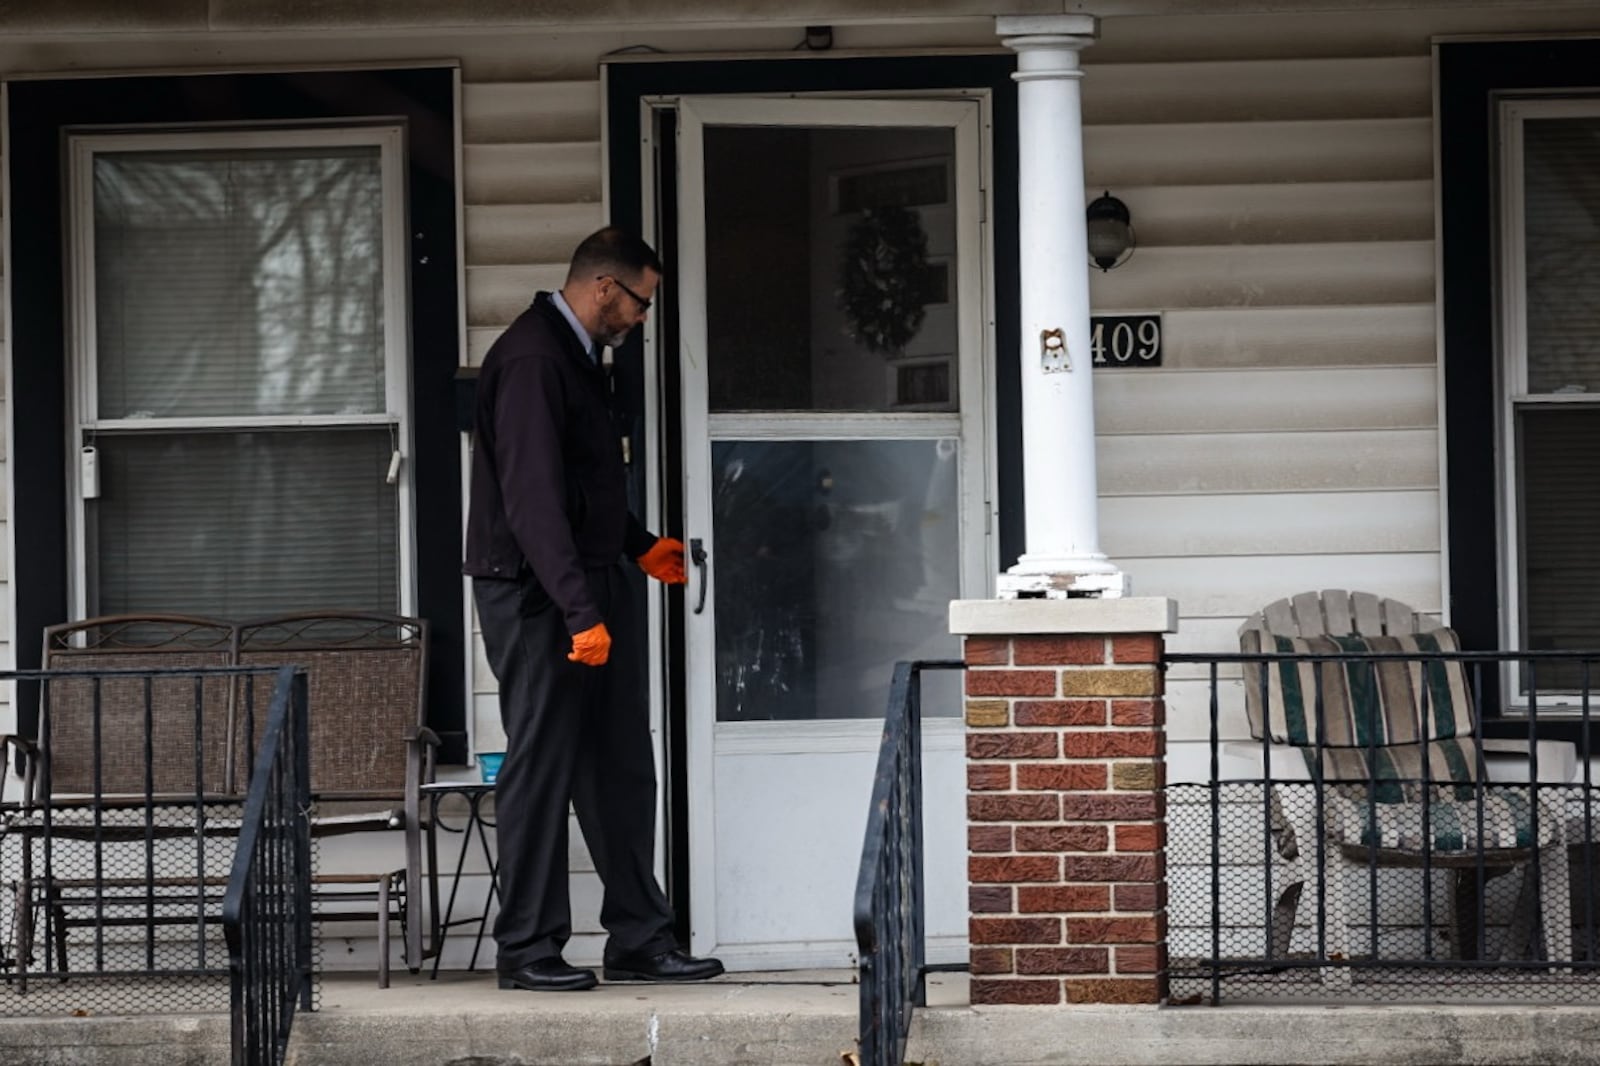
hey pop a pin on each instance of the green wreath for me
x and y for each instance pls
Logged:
(881, 277)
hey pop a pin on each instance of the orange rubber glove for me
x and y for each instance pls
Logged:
(592, 647)
(664, 561)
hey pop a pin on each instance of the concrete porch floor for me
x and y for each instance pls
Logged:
(806, 1019)
(788, 1017)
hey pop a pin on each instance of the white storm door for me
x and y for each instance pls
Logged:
(832, 359)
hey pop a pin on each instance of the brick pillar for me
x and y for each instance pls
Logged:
(1066, 824)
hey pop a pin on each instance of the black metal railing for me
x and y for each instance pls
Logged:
(114, 856)
(266, 912)
(1356, 835)
(889, 911)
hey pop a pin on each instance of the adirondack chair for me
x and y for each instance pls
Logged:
(1378, 722)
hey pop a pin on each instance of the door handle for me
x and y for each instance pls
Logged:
(697, 553)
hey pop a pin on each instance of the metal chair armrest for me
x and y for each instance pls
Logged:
(1558, 759)
(21, 743)
(1288, 762)
(29, 751)
(423, 735)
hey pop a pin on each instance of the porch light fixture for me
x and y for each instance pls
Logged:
(1110, 232)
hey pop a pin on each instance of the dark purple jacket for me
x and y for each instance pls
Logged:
(548, 486)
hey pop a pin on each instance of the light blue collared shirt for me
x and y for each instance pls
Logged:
(577, 327)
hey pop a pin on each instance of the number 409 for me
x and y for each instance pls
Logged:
(1125, 341)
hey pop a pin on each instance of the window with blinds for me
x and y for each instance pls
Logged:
(1551, 186)
(240, 392)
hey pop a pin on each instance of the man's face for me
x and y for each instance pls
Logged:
(624, 304)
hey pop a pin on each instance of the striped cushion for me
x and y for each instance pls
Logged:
(1396, 770)
(1368, 703)
(1379, 721)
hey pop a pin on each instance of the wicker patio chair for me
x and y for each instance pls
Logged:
(126, 780)
(181, 719)
(370, 751)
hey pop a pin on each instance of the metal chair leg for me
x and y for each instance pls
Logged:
(1283, 916)
(24, 932)
(58, 915)
(383, 930)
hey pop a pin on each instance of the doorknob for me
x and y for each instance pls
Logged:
(697, 553)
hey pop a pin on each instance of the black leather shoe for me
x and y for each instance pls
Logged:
(673, 965)
(548, 975)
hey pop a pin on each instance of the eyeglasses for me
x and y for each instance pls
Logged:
(644, 305)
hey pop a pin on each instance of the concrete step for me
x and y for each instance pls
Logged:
(741, 1018)
(804, 1019)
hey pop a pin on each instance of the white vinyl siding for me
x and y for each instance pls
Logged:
(532, 191)
(532, 186)
(1284, 212)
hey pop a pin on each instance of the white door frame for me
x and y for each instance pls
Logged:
(965, 116)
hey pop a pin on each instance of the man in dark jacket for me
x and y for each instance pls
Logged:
(548, 528)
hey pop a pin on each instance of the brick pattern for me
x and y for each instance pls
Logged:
(1066, 836)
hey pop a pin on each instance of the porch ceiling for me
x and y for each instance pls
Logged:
(69, 18)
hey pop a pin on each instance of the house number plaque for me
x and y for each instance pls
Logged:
(1125, 340)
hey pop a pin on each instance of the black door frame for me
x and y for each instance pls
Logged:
(628, 85)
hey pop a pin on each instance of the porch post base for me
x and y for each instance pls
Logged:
(1066, 822)
(1020, 586)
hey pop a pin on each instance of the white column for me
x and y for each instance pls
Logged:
(1062, 554)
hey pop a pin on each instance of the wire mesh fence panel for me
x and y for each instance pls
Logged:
(1363, 840)
(1245, 923)
(117, 839)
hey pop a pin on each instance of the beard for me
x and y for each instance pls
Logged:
(613, 329)
(612, 337)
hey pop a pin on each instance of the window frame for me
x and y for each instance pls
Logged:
(1471, 75)
(84, 423)
(1513, 398)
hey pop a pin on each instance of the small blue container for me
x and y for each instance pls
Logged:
(489, 765)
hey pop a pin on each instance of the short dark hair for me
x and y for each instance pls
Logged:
(612, 250)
